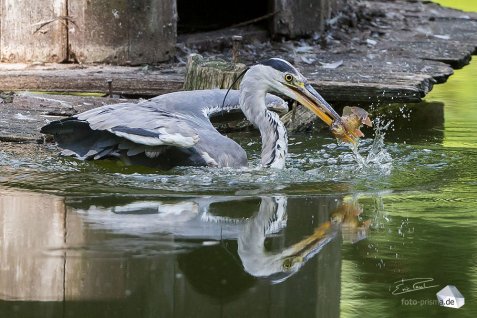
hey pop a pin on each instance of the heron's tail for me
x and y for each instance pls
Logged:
(77, 139)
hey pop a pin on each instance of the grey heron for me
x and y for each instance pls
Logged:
(175, 130)
(194, 219)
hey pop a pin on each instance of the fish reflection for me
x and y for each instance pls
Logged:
(347, 216)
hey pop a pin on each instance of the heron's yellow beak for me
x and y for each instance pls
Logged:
(309, 246)
(306, 95)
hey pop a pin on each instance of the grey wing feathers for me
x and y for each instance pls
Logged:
(77, 139)
(121, 128)
(142, 123)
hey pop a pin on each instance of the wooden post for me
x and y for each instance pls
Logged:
(122, 31)
(33, 31)
(297, 18)
(203, 74)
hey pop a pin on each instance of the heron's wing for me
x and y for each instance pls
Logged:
(125, 128)
(142, 123)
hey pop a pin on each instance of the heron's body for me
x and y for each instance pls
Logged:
(166, 131)
(175, 130)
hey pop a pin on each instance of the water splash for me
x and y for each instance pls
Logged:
(315, 164)
(375, 155)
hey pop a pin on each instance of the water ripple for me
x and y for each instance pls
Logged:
(316, 164)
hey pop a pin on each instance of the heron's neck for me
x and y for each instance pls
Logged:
(271, 218)
(272, 130)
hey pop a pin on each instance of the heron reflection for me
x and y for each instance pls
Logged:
(194, 219)
(277, 266)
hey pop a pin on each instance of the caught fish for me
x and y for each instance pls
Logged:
(351, 121)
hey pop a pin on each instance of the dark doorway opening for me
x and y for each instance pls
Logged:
(209, 15)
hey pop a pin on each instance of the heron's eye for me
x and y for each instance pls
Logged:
(288, 78)
(287, 263)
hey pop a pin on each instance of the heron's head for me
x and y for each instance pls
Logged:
(279, 76)
(279, 266)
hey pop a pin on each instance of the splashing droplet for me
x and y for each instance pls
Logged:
(374, 155)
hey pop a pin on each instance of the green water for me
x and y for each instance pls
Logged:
(83, 239)
(465, 5)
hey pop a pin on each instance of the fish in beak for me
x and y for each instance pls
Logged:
(345, 128)
(351, 121)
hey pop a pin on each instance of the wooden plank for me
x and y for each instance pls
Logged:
(423, 21)
(414, 74)
(365, 93)
(21, 120)
(140, 83)
(365, 88)
(369, 79)
(67, 78)
(123, 31)
(456, 54)
(462, 30)
(33, 31)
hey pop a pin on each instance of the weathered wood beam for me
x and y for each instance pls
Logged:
(28, 112)
(366, 93)
(342, 86)
(125, 80)
(378, 79)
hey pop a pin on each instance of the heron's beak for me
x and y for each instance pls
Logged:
(311, 245)
(306, 95)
